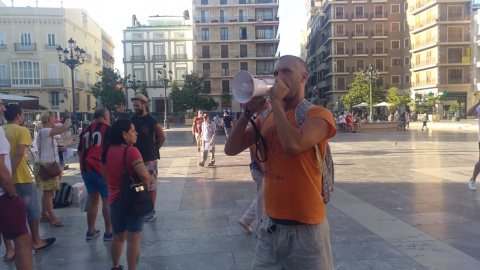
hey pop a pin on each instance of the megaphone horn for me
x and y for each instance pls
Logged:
(244, 86)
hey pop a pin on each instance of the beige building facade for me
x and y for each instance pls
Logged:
(476, 46)
(234, 35)
(441, 52)
(164, 41)
(348, 36)
(29, 64)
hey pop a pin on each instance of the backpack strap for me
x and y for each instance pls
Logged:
(263, 116)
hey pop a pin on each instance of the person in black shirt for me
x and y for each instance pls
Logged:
(227, 123)
(149, 140)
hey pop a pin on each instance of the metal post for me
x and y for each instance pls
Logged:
(74, 109)
(371, 101)
(165, 120)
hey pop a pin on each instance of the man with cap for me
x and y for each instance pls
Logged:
(149, 140)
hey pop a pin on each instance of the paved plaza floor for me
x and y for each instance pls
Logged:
(395, 206)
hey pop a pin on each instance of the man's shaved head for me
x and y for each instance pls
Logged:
(100, 112)
(298, 59)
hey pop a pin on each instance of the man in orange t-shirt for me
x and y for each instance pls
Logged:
(293, 185)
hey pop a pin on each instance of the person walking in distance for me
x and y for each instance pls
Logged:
(208, 140)
(197, 129)
(424, 121)
(475, 111)
(12, 208)
(227, 123)
(150, 139)
(96, 134)
(295, 234)
(256, 211)
(20, 140)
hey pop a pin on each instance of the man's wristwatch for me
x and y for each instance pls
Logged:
(11, 197)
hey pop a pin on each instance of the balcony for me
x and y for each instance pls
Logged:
(422, 23)
(5, 83)
(382, 68)
(264, 72)
(52, 82)
(51, 46)
(379, 51)
(360, 16)
(454, 38)
(21, 47)
(360, 51)
(179, 83)
(265, 36)
(88, 57)
(359, 34)
(341, 69)
(339, 16)
(97, 61)
(339, 34)
(426, 62)
(379, 15)
(423, 83)
(423, 42)
(454, 18)
(159, 57)
(107, 56)
(231, 37)
(79, 84)
(180, 56)
(462, 80)
(419, 4)
(340, 52)
(137, 58)
(376, 34)
(235, 19)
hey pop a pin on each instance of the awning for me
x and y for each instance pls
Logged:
(383, 104)
(363, 104)
(15, 98)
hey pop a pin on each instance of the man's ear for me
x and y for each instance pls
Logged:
(304, 76)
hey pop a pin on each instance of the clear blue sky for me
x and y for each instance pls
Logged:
(115, 15)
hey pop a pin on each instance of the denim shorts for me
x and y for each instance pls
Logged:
(28, 193)
(94, 182)
(122, 223)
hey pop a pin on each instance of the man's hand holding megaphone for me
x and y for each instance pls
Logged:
(253, 105)
(279, 91)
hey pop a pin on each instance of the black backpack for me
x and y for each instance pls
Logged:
(63, 196)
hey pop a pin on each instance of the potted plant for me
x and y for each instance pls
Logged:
(454, 109)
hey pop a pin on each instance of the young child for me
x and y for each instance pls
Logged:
(424, 120)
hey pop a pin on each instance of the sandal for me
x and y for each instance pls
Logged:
(57, 223)
(120, 267)
(5, 259)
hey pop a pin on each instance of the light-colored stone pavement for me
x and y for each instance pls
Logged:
(403, 206)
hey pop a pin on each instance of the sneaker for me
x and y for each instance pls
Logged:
(471, 185)
(245, 226)
(151, 216)
(92, 235)
(107, 236)
(201, 164)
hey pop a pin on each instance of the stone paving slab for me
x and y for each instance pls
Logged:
(403, 206)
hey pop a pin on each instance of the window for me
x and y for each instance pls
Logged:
(180, 35)
(207, 84)
(455, 13)
(339, 30)
(378, 11)
(25, 39)
(3, 75)
(265, 67)
(51, 40)
(89, 104)
(379, 64)
(265, 14)
(2, 39)
(139, 74)
(379, 47)
(338, 12)
(395, 79)
(206, 68)
(205, 34)
(243, 33)
(159, 35)
(204, 16)
(180, 51)
(225, 69)
(224, 33)
(359, 12)
(428, 76)
(406, 60)
(455, 34)
(265, 50)
(225, 86)
(340, 66)
(159, 52)
(407, 78)
(359, 29)
(405, 26)
(359, 47)
(379, 29)
(244, 66)
(395, 44)
(454, 55)
(87, 80)
(96, 55)
(224, 51)
(137, 36)
(54, 99)
(396, 62)
(395, 9)
(380, 81)
(340, 48)
(455, 76)
(360, 64)
(25, 72)
(204, 2)
(205, 51)
(395, 26)
(341, 83)
(265, 32)
(223, 16)
(242, 15)
(243, 51)
(138, 50)
(223, 2)
(406, 43)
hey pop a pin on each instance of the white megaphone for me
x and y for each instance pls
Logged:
(244, 86)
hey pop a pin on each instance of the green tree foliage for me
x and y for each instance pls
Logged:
(143, 90)
(431, 101)
(108, 89)
(398, 99)
(226, 98)
(193, 95)
(359, 91)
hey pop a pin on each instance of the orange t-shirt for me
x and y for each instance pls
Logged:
(293, 184)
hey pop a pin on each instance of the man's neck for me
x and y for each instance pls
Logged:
(143, 114)
(291, 104)
(101, 121)
(13, 123)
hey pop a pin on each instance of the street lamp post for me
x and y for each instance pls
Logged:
(72, 57)
(165, 83)
(134, 84)
(372, 74)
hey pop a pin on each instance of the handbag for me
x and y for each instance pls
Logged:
(48, 171)
(94, 157)
(134, 196)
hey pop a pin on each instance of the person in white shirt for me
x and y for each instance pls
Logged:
(208, 136)
(12, 208)
(475, 111)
